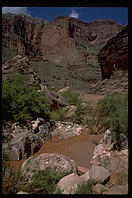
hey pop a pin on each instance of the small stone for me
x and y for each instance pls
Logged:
(22, 192)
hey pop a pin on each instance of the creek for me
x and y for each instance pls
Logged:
(79, 148)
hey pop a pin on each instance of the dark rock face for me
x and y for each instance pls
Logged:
(24, 145)
(22, 34)
(114, 56)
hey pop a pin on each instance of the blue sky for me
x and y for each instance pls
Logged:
(88, 14)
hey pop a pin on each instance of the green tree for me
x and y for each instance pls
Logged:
(20, 101)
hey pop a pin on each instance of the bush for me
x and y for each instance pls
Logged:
(85, 188)
(58, 115)
(21, 101)
(44, 182)
(113, 114)
(71, 97)
(58, 191)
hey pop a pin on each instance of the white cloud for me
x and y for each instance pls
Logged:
(16, 10)
(74, 13)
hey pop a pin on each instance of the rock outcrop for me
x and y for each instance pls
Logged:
(24, 145)
(21, 34)
(114, 55)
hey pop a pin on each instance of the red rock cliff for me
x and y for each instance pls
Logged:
(114, 56)
(64, 36)
(65, 33)
(22, 34)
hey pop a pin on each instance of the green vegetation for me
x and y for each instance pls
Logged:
(71, 97)
(85, 188)
(58, 191)
(20, 101)
(111, 112)
(59, 115)
(44, 182)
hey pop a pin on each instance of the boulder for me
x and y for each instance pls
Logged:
(37, 123)
(69, 183)
(120, 189)
(119, 177)
(44, 130)
(56, 99)
(105, 156)
(41, 127)
(24, 145)
(63, 90)
(99, 189)
(98, 174)
(85, 177)
(55, 161)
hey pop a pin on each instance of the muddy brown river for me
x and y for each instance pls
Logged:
(79, 148)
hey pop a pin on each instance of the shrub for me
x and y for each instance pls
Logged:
(85, 188)
(71, 97)
(58, 191)
(21, 101)
(44, 182)
(113, 114)
(51, 88)
(79, 113)
(58, 115)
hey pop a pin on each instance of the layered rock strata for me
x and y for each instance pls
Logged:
(114, 56)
